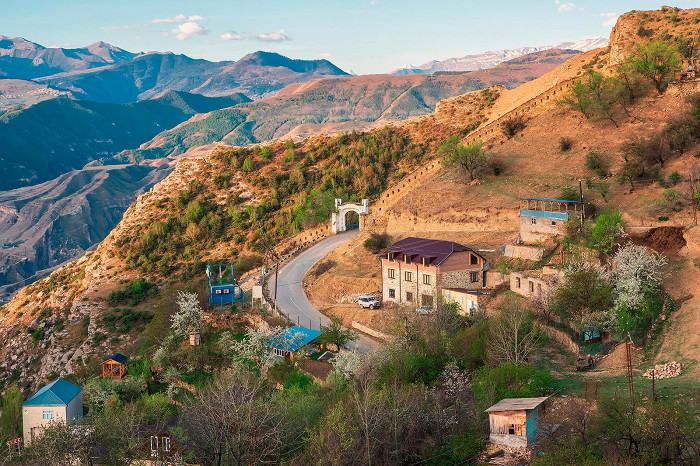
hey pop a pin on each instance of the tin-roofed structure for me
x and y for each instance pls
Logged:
(515, 421)
(59, 401)
(541, 217)
(114, 366)
(292, 340)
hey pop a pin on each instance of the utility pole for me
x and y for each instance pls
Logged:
(580, 191)
(274, 256)
(630, 382)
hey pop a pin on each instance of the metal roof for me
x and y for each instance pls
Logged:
(549, 200)
(517, 404)
(295, 338)
(57, 393)
(430, 248)
(117, 357)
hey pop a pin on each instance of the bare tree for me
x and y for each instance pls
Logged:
(692, 193)
(513, 336)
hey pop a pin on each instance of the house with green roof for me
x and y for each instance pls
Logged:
(59, 401)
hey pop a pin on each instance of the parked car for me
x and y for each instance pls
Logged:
(584, 362)
(369, 301)
(425, 310)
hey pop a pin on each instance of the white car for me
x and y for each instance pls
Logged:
(369, 301)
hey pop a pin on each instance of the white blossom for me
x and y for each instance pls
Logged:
(188, 319)
(636, 271)
(347, 363)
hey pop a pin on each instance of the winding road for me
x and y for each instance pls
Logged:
(291, 298)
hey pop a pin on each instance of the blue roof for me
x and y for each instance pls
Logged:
(544, 214)
(57, 393)
(117, 357)
(295, 338)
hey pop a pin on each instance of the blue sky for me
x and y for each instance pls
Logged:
(363, 36)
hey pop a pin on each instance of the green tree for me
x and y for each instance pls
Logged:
(248, 165)
(658, 62)
(508, 380)
(11, 417)
(607, 230)
(471, 158)
(583, 291)
(265, 152)
(335, 333)
(579, 99)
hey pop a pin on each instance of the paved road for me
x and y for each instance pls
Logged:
(291, 298)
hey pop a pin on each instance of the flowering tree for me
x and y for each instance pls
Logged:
(347, 363)
(188, 319)
(257, 347)
(636, 273)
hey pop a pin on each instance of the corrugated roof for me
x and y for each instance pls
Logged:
(517, 404)
(295, 338)
(117, 357)
(549, 200)
(57, 393)
(418, 248)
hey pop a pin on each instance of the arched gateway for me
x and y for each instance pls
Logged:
(338, 218)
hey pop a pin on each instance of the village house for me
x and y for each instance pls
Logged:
(416, 270)
(469, 301)
(59, 401)
(541, 219)
(534, 284)
(514, 422)
(293, 340)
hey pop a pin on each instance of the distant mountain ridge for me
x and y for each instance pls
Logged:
(104, 73)
(490, 59)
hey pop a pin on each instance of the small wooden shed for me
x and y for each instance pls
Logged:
(515, 421)
(114, 366)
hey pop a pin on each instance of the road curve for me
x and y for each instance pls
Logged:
(291, 298)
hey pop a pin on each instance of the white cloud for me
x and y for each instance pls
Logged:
(189, 29)
(274, 36)
(324, 55)
(564, 7)
(608, 15)
(231, 35)
(178, 19)
(117, 28)
(610, 22)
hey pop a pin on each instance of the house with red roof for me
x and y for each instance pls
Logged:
(415, 271)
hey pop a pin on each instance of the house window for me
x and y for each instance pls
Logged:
(554, 223)
(154, 445)
(517, 282)
(407, 258)
(426, 262)
(227, 291)
(426, 279)
(539, 288)
(511, 429)
(166, 443)
(532, 287)
(409, 296)
(278, 352)
(473, 260)
(533, 221)
(392, 293)
(391, 273)
(408, 276)
(217, 291)
(426, 300)
(390, 256)
(47, 415)
(474, 276)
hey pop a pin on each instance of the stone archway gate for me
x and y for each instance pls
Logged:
(338, 217)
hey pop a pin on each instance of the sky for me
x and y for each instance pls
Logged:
(360, 36)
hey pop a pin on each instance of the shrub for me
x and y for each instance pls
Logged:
(512, 126)
(674, 178)
(123, 320)
(134, 293)
(565, 144)
(598, 163)
(248, 165)
(246, 263)
(324, 267)
(496, 165)
(607, 230)
(377, 242)
(265, 152)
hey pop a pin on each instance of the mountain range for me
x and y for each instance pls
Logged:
(490, 59)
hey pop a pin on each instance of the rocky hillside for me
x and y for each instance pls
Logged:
(223, 206)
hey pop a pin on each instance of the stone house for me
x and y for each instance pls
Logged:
(544, 218)
(469, 301)
(415, 271)
(534, 283)
(514, 422)
(59, 401)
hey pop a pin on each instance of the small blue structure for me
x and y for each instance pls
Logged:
(223, 288)
(292, 340)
